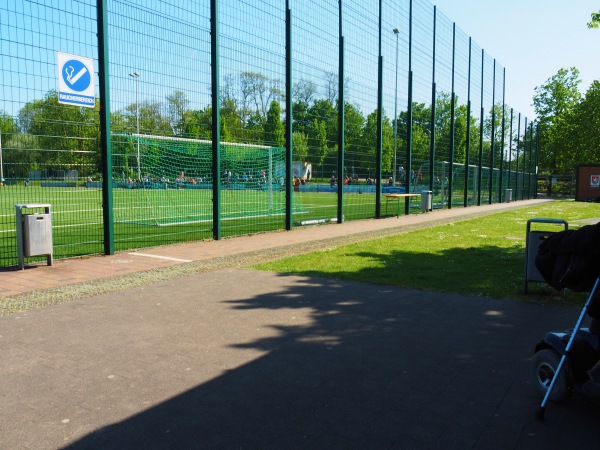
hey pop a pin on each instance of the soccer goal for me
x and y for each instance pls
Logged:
(169, 180)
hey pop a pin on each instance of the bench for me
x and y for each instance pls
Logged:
(406, 198)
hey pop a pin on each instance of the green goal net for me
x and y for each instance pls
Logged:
(169, 180)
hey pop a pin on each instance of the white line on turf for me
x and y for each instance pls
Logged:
(160, 257)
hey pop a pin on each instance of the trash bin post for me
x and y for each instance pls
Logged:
(508, 196)
(426, 201)
(34, 233)
(533, 239)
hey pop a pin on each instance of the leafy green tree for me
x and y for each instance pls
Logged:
(253, 131)
(274, 134)
(9, 142)
(595, 20)
(581, 131)
(230, 121)
(323, 111)
(67, 135)
(300, 151)
(421, 132)
(152, 119)
(119, 122)
(366, 153)
(8, 128)
(354, 123)
(460, 133)
(554, 103)
(317, 142)
(199, 124)
(495, 128)
(301, 117)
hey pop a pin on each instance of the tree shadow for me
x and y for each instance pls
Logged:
(368, 367)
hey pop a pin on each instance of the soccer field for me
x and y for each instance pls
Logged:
(151, 217)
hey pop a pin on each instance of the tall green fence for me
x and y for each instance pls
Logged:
(233, 117)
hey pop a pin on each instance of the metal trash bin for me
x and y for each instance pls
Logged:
(426, 201)
(508, 196)
(533, 239)
(34, 233)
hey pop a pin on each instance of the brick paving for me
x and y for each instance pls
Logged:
(39, 276)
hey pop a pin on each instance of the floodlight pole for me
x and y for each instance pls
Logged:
(137, 120)
(394, 169)
(1, 165)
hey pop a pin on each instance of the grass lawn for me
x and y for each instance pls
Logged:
(482, 256)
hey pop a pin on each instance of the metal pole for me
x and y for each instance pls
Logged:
(493, 136)
(379, 141)
(482, 117)
(510, 148)
(341, 121)
(216, 118)
(395, 168)
(517, 158)
(137, 119)
(452, 119)
(1, 165)
(136, 75)
(468, 133)
(289, 117)
(409, 112)
(502, 142)
(105, 138)
(432, 140)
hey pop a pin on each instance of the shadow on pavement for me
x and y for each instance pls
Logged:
(352, 365)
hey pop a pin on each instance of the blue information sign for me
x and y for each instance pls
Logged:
(75, 80)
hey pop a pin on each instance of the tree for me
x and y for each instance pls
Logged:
(274, 134)
(366, 154)
(332, 86)
(421, 132)
(199, 124)
(443, 110)
(554, 103)
(354, 123)
(581, 131)
(229, 103)
(177, 106)
(8, 139)
(68, 135)
(8, 128)
(257, 93)
(460, 133)
(152, 120)
(323, 111)
(496, 129)
(595, 21)
(301, 117)
(317, 142)
(304, 91)
(300, 151)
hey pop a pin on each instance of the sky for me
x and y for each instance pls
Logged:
(532, 39)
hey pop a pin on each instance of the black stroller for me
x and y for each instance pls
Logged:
(569, 360)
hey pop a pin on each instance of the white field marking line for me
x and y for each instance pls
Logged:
(160, 257)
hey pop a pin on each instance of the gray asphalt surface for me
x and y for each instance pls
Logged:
(234, 358)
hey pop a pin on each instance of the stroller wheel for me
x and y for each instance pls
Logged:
(544, 365)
